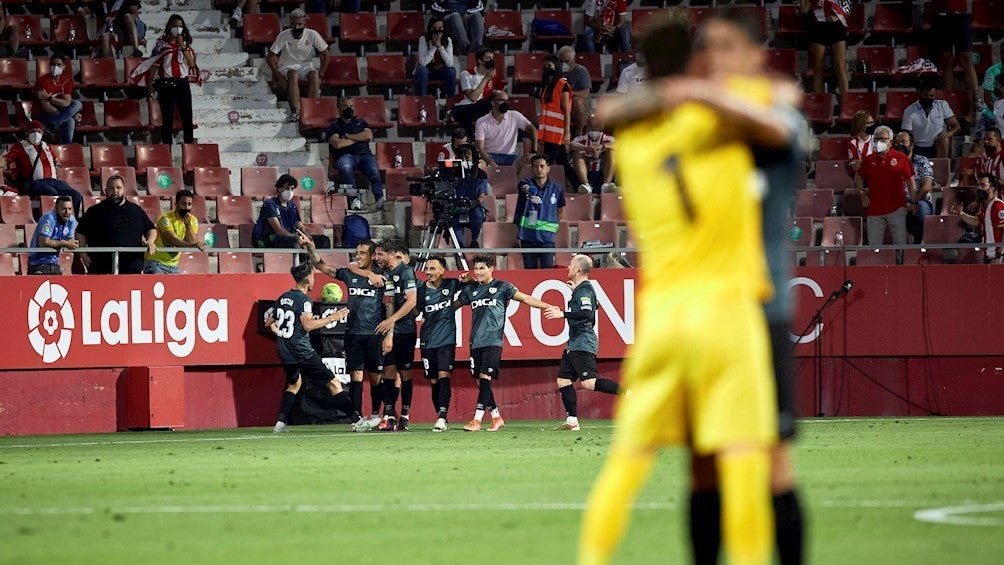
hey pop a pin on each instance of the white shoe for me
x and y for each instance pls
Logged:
(585, 188)
(608, 187)
(374, 421)
(362, 426)
(280, 428)
(378, 205)
(237, 18)
(294, 116)
(440, 425)
(569, 425)
(356, 204)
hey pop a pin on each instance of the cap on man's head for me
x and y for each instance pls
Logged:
(34, 125)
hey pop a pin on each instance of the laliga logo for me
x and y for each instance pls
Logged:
(50, 321)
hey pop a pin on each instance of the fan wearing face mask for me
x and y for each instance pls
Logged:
(989, 219)
(348, 140)
(860, 144)
(168, 72)
(291, 57)
(932, 123)
(593, 158)
(581, 84)
(885, 183)
(34, 167)
(175, 228)
(279, 220)
(923, 204)
(991, 161)
(54, 103)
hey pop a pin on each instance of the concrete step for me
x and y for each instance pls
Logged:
(255, 144)
(235, 160)
(238, 101)
(205, 31)
(222, 60)
(178, 5)
(279, 130)
(193, 18)
(233, 87)
(203, 45)
(233, 74)
(220, 115)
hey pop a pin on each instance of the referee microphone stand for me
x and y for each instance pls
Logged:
(439, 228)
(817, 321)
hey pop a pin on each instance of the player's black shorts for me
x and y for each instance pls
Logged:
(950, 31)
(486, 361)
(827, 33)
(781, 346)
(577, 365)
(437, 360)
(364, 352)
(312, 370)
(402, 354)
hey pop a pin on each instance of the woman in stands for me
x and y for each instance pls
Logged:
(171, 65)
(860, 144)
(435, 59)
(827, 28)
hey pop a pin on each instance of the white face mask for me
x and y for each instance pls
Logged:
(286, 195)
(177, 30)
(881, 146)
(57, 70)
(35, 137)
(595, 135)
(466, 165)
(565, 67)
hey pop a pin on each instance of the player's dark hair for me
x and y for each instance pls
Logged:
(908, 133)
(487, 259)
(744, 20)
(438, 259)
(992, 178)
(301, 272)
(369, 244)
(458, 133)
(64, 199)
(538, 156)
(925, 84)
(57, 57)
(183, 193)
(667, 43)
(286, 180)
(114, 178)
(394, 246)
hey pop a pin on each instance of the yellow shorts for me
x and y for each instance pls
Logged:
(699, 374)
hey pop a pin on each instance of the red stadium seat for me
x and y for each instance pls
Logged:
(790, 23)
(310, 178)
(611, 207)
(26, 22)
(88, 122)
(153, 155)
(754, 13)
(892, 21)
(5, 124)
(942, 171)
(259, 181)
(620, 62)
(128, 175)
(342, 73)
(77, 177)
(578, 207)
(942, 229)
(528, 68)
(7, 264)
(316, 114)
(876, 257)
(277, 262)
(69, 30)
(848, 226)
(396, 186)
(563, 17)
(387, 152)
(14, 75)
(852, 204)
(526, 105)
(149, 204)
(921, 256)
(835, 175)
(818, 108)
(801, 233)
(854, 101)
(881, 62)
(604, 232)
(591, 61)
(783, 62)
(107, 155)
(813, 203)
(69, 155)
(638, 18)
(100, 74)
(409, 112)
(987, 17)
(421, 212)
(896, 102)
(233, 210)
(45, 204)
(386, 71)
(833, 148)
(260, 30)
(16, 210)
(508, 21)
(235, 263)
(960, 101)
(328, 209)
(405, 28)
(498, 235)
(320, 24)
(201, 213)
(212, 181)
(193, 263)
(826, 258)
(503, 180)
(199, 155)
(432, 149)
(8, 235)
(164, 181)
(359, 30)
(123, 115)
(373, 110)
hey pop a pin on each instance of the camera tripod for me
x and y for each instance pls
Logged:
(439, 227)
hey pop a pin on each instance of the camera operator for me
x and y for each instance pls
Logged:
(990, 217)
(471, 191)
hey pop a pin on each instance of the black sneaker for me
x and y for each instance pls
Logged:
(391, 425)
(402, 425)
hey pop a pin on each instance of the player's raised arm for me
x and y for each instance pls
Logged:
(531, 301)
(310, 323)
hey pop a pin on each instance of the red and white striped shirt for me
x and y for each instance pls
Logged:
(993, 165)
(858, 149)
(21, 156)
(173, 64)
(993, 224)
(592, 164)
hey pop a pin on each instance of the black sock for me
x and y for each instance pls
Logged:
(407, 390)
(344, 403)
(445, 392)
(484, 393)
(608, 386)
(435, 387)
(491, 397)
(788, 517)
(390, 393)
(285, 405)
(376, 396)
(356, 392)
(705, 527)
(568, 399)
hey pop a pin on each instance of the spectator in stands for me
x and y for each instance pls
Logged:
(952, 36)
(251, 7)
(927, 119)
(167, 72)
(291, 57)
(991, 161)
(477, 83)
(990, 218)
(465, 22)
(605, 25)
(35, 167)
(496, 133)
(923, 178)
(633, 76)
(348, 140)
(990, 95)
(118, 22)
(327, 6)
(8, 35)
(54, 103)
(175, 228)
(116, 222)
(56, 229)
(827, 28)
(538, 212)
(555, 131)
(435, 59)
(860, 144)
(448, 151)
(473, 188)
(879, 181)
(279, 220)
(593, 159)
(581, 84)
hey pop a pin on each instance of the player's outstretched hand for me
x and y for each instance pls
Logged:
(305, 240)
(385, 327)
(377, 280)
(464, 278)
(388, 343)
(339, 315)
(553, 312)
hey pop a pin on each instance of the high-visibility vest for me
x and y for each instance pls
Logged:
(552, 118)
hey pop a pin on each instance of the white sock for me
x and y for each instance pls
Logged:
(479, 415)
(571, 420)
(495, 413)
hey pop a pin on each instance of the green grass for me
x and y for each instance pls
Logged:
(320, 494)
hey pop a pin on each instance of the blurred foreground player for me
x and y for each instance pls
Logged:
(291, 319)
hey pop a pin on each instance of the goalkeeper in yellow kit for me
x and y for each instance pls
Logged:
(700, 371)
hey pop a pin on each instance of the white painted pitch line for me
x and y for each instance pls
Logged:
(960, 515)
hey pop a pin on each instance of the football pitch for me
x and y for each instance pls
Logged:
(876, 491)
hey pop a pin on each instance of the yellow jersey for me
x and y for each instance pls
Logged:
(691, 196)
(180, 227)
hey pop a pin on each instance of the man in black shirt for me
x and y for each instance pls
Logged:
(116, 222)
(348, 140)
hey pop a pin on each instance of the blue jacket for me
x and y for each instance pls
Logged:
(544, 226)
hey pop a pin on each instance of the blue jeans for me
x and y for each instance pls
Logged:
(347, 165)
(537, 260)
(56, 187)
(446, 74)
(622, 34)
(467, 30)
(158, 268)
(63, 121)
(503, 160)
(924, 209)
(475, 221)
